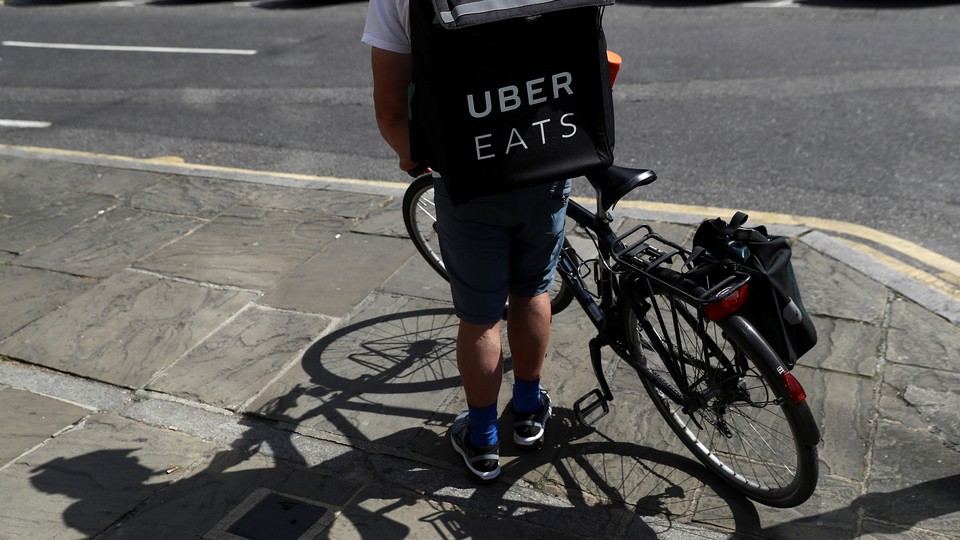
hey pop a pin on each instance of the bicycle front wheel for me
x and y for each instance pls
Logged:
(737, 417)
(419, 217)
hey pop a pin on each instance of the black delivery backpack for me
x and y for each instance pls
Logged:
(509, 93)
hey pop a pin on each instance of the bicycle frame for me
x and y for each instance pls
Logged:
(605, 314)
(605, 311)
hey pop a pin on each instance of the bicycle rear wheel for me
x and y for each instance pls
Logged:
(419, 217)
(738, 417)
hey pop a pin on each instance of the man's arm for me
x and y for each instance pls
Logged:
(392, 73)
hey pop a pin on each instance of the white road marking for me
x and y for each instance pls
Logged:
(124, 3)
(774, 4)
(126, 48)
(24, 123)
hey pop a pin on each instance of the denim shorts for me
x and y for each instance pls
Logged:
(500, 244)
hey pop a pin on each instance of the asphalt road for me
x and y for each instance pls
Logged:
(841, 110)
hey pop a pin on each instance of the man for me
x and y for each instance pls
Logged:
(494, 247)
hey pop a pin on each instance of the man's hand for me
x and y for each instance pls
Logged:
(418, 171)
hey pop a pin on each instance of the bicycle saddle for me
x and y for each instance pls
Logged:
(613, 183)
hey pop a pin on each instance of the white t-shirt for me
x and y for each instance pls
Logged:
(388, 25)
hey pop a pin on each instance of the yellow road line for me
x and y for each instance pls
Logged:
(948, 266)
(900, 267)
(175, 161)
(950, 269)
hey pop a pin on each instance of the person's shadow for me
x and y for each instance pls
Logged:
(98, 481)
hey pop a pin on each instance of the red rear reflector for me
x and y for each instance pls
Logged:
(731, 303)
(794, 389)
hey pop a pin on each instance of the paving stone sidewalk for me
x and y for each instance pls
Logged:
(193, 354)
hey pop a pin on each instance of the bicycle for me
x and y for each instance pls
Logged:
(672, 318)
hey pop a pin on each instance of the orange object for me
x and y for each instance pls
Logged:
(614, 60)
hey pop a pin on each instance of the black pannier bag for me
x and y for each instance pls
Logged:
(506, 96)
(773, 304)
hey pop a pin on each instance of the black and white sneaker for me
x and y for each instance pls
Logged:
(529, 428)
(482, 462)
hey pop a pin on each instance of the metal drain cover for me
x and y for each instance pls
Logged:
(277, 518)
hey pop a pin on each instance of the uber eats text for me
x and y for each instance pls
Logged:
(509, 98)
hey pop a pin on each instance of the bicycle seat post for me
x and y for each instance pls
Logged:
(602, 215)
(613, 183)
(602, 212)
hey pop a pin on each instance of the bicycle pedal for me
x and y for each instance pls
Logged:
(598, 401)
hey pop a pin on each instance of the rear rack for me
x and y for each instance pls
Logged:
(643, 251)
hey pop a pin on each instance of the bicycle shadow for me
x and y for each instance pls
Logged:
(398, 356)
(390, 386)
(367, 375)
(654, 490)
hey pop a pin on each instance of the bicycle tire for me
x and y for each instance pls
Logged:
(419, 216)
(747, 429)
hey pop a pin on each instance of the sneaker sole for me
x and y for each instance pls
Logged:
(537, 444)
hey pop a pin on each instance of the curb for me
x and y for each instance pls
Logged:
(939, 295)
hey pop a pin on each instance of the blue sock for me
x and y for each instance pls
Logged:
(526, 396)
(483, 426)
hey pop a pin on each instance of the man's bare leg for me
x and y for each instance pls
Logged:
(528, 332)
(480, 360)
